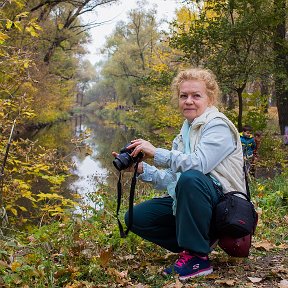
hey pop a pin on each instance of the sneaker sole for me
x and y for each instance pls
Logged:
(166, 273)
(202, 272)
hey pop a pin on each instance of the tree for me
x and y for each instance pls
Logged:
(52, 58)
(17, 91)
(66, 15)
(228, 37)
(100, 93)
(281, 62)
(86, 75)
(130, 49)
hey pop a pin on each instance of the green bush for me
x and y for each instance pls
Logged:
(271, 198)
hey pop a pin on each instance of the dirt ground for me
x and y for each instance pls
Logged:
(267, 269)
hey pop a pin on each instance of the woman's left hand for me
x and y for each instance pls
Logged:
(143, 146)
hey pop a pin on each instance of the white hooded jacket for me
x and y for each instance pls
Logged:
(215, 148)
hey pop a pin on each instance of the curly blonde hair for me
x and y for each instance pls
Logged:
(206, 75)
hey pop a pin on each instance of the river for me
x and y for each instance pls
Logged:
(93, 166)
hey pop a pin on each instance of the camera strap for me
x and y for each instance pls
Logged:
(123, 233)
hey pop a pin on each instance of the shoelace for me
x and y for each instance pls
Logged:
(184, 257)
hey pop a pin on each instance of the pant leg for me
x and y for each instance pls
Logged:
(196, 197)
(154, 221)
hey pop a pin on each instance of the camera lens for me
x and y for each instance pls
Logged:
(122, 161)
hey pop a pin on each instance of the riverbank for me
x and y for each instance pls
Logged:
(76, 251)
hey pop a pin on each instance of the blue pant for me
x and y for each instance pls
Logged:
(190, 228)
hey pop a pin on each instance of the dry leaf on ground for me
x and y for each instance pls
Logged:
(228, 282)
(176, 284)
(266, 245)
(283, 284)
(255, 279)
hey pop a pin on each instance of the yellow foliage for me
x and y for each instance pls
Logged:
(160, 67)
(22, 185)
(17, 25)
(32, 91)
(15, 265)
(57, 210)
(22, 208)
(32, 28)
(50, 196)
(56, 180)
(19, 3)
(184, 18)
(260, 187)
(9, 24)
(111, 105)
(28, 195)
(11, 209)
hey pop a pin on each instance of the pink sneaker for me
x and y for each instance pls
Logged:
(190, 265)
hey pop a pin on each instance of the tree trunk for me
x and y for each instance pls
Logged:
(281, 65)
(240, 111)
(264, 90)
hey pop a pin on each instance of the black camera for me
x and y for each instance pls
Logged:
(124, 158)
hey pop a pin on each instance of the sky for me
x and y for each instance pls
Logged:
(116, 12)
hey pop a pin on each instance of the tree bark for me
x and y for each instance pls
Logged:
(240, 111)
(281, 64)
(264, 90)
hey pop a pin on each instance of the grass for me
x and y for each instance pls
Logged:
(77, 252)
(88, 251)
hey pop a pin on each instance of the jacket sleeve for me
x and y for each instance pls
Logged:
(160, 178)
(216, 143)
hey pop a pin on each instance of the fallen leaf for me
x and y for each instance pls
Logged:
(122, 274)
(280, 269)
(283, 284)
(31, 238)
(266, 245)
(121, 277)
(4, 264)
(228, 282)
(105, 256)
(15, 265)
(152, 269)
(17, 281)
(212, 276)
(59, 273)
(236, 260)
(176, 284)
(139, 285)
(282, 246)
(129, 257)
(255, 279)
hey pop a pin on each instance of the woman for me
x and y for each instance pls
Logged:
(206, 159)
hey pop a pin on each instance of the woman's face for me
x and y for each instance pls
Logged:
(193, 99)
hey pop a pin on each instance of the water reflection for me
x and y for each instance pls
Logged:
(86, 184)
(89, 170)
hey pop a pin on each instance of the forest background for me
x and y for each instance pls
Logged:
(44, 79)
